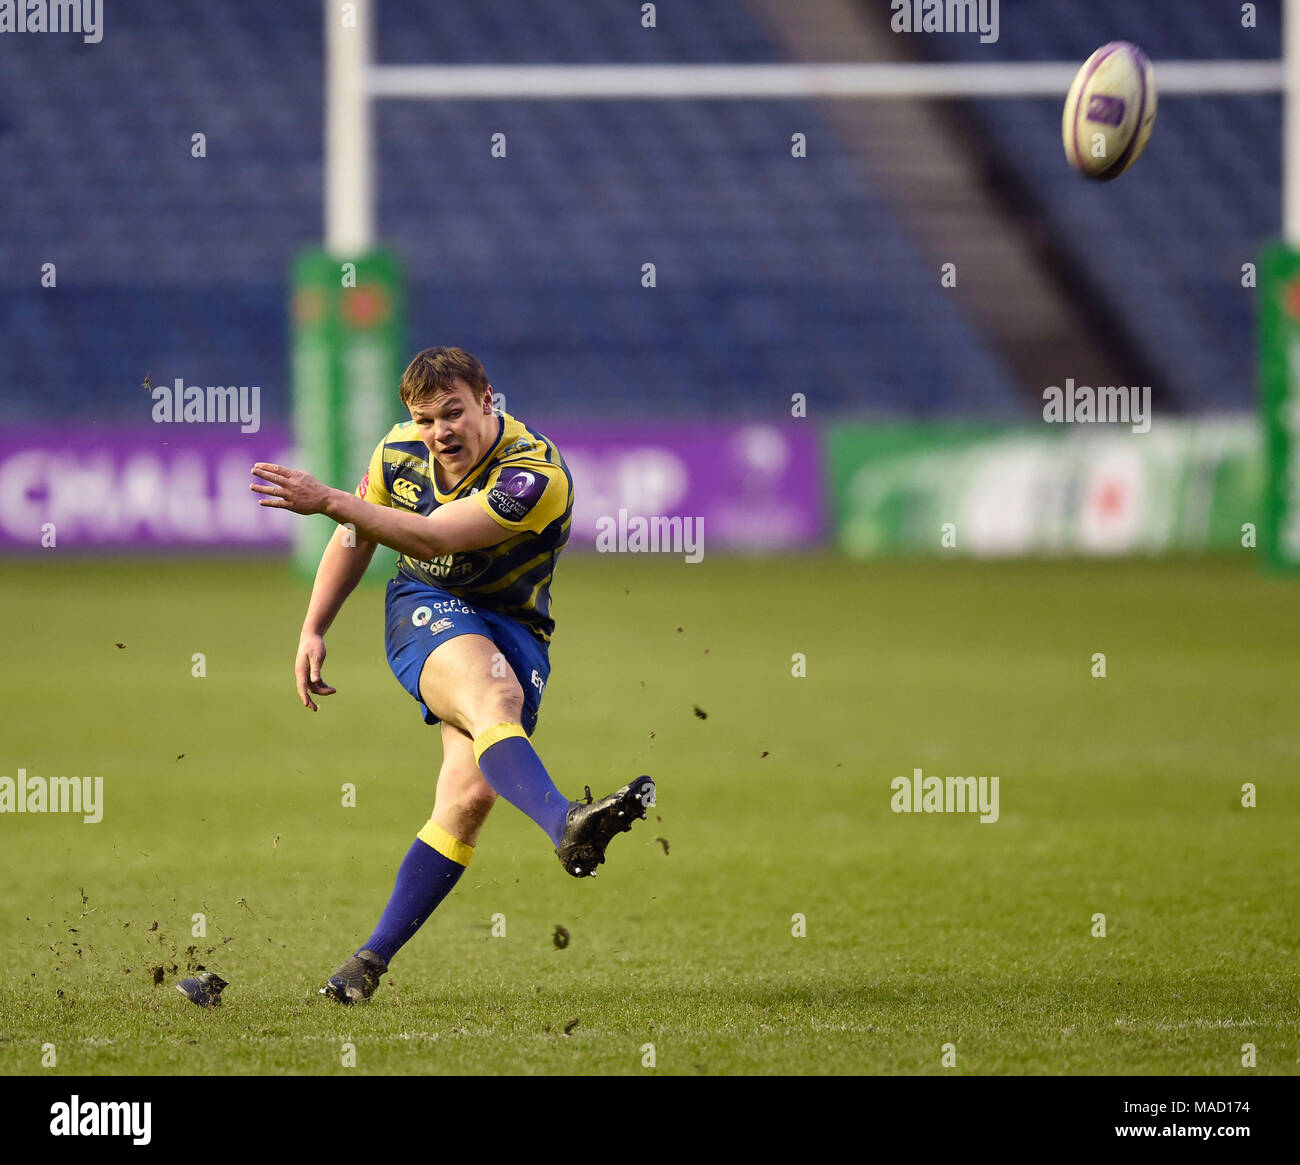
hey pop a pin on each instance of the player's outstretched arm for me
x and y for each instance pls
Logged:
(459, 525)
(341, 568)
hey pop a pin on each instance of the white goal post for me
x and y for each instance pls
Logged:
(353, 81)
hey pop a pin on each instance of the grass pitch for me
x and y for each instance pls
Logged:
(1119, 796)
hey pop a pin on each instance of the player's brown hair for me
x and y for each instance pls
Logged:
(432, 371)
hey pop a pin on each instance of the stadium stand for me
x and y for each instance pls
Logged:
(774, 274)
(1164, 246)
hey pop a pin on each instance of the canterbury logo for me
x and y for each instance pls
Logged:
(408, 491)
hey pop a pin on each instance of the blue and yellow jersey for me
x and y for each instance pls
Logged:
(522, 483)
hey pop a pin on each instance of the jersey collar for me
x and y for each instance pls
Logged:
(438, 494)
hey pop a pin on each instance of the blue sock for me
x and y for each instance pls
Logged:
(507, 761)
(432, 866)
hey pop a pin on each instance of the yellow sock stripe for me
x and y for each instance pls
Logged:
(437, 838)
(494, 735)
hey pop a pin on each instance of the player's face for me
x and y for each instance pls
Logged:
(457, 429)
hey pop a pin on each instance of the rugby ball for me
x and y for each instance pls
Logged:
(1109, 111)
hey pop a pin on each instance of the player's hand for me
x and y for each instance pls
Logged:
(289, 489)
(307, 669)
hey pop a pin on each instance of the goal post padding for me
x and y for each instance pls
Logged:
(346, 317)
(1279, 397)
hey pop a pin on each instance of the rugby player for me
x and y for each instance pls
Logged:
(478, 507)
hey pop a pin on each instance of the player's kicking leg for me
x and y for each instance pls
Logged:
(485, 748)
(432, 866)
(464, 683)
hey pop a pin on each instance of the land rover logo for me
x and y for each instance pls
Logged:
(460, 568)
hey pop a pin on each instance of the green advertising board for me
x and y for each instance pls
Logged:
(1186, 485)
(347, 360)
